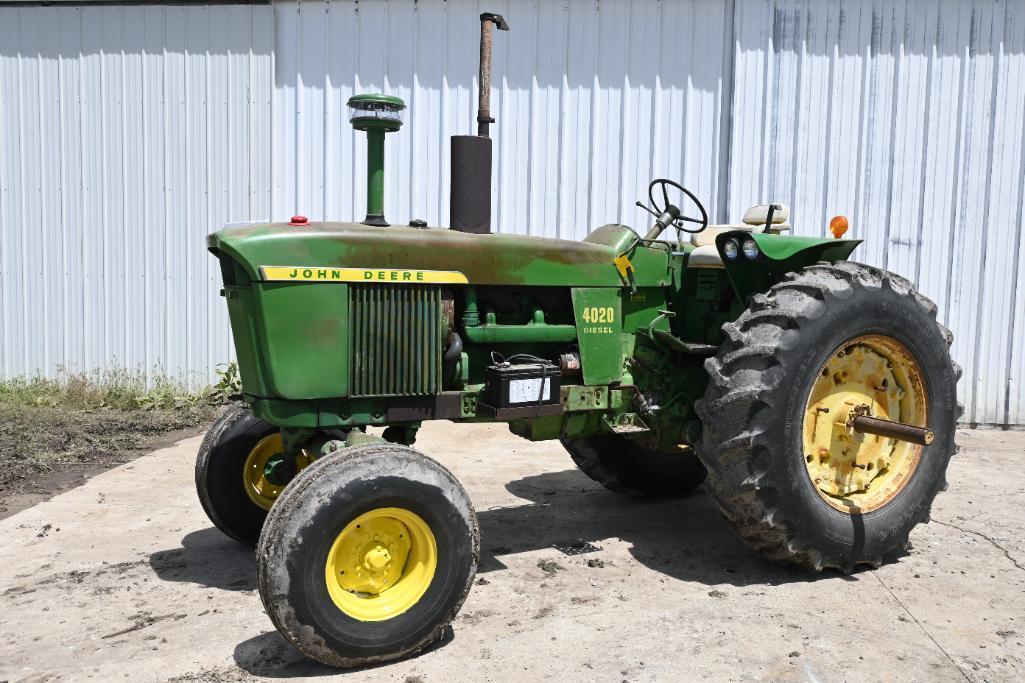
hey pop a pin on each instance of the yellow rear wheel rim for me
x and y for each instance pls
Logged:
(853, 472)
(381, 564)
(262, 488)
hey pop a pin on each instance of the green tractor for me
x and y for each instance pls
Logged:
(814, 397)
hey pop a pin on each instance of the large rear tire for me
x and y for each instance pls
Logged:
(625, 467)
(784, 465)
(367, 555)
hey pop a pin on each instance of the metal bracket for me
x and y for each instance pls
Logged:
(626, 423)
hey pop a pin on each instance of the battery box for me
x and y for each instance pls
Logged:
(526, 390)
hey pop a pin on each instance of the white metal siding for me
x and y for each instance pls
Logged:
(127, 133)
(907, 117)
(592, 100)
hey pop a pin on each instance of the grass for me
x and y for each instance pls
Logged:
(100, 418)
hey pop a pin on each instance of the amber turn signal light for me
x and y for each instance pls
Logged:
(838, 226)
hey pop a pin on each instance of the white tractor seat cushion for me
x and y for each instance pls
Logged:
(754, 221)
(705, 256)
(707, 236)
(756, 215)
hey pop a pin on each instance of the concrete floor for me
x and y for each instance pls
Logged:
(124, 579)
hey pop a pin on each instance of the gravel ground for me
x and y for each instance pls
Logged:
(123, 578)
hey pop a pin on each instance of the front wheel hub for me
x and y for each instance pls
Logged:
(266, 472)
(381, 564)
(377, 558)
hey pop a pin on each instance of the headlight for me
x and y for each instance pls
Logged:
(730, 249)
(750, 249)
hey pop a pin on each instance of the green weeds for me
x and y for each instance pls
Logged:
(104, 417)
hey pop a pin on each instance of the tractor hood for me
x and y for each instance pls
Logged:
(283, 251)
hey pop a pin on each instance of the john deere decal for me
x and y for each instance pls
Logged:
(316, 274)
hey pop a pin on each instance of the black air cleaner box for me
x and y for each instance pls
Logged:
(526, 390)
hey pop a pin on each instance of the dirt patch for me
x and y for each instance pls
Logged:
(549, 567)
(46, 450)
(224, 674)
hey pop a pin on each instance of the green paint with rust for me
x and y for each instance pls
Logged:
(780, 254)
(536, 330)
(598, 313)
(304, 325)
(291, 338)
(578, 398)
(483, 259)
(294, 339)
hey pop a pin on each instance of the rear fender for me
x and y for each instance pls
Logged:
(778, 255)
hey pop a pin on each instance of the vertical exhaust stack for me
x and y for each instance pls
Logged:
(470, 198)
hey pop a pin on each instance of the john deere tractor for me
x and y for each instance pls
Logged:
(814, 397)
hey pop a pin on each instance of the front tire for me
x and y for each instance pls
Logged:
(367, 555)
(238, 468)
(784, 465)
(625, 467)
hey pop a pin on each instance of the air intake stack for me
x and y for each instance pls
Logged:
(470, 198)
(375, 115)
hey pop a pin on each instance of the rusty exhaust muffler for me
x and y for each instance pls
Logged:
(470, 192)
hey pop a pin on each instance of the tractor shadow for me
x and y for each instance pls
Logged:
(207, 558)
(687, 538)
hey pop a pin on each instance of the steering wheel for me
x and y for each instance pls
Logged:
(667, 214)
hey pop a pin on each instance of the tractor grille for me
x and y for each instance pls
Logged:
(227, 269)
(396, 339)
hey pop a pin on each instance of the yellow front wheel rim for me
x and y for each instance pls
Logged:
(872, 374)
(257, 479)
(381, 564)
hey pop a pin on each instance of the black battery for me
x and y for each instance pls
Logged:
(522, 386)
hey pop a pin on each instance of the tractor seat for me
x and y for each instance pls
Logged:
(707, 256)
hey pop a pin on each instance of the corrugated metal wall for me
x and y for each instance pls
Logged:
(907, 117)
(592, 99)
(128, 133)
